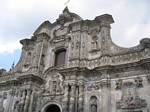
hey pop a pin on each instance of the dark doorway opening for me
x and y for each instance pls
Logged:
(53, 108)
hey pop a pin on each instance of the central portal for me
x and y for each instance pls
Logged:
(53, 108)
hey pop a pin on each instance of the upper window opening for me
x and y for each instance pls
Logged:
(60, 57)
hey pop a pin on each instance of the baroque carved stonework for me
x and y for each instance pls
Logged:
(130, 98)
(72, 65)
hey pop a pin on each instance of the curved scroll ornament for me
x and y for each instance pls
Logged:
(130, 99)
(93, 104)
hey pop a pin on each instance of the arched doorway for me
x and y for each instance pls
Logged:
(53, 108)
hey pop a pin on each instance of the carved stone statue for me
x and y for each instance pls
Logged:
(93, 104)
(119, 84)
(18, 106)
(94, 43)
(139, 82)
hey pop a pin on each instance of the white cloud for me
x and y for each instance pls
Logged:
(9, 47)
(20, 18)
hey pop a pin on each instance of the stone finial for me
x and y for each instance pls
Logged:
(64, 17)
(66, 10)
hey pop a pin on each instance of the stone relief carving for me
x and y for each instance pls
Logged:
(77, 44)
(148, 78)
(139, 82)
(130, 98)
(118, 84)
(28, 59)
(54, 85)
(94, 43)
(20, 100)
(93, 86)
(72, 45)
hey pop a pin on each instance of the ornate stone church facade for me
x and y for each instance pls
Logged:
(72, 65)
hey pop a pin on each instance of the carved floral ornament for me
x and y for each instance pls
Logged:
(138, 82)
(93, 86)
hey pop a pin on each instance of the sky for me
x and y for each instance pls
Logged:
(20, 18)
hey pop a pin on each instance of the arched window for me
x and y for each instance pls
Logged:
(93, 104)
(60, 57)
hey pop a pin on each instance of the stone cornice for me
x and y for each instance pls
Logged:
(16, 80)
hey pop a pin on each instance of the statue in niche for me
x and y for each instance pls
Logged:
(42, 60)
(148, 78)
(28, 60)
(59, 84)
(16, 106)
(118, 84)
(94, 42)
(93, 104)
(139, 82)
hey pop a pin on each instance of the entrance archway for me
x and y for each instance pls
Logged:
(53, 108)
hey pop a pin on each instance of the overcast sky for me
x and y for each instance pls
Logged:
(20, 18)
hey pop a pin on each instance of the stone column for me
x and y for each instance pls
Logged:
(81, 97)
(106, 97)
(10, 105)
(27, 100)
(72, 98)
(31, 102)
(66, 100)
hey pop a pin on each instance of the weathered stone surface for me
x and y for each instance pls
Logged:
(96, 76)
